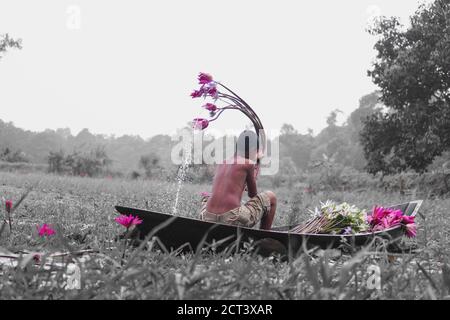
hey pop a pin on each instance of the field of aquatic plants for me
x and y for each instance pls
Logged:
(81, 212)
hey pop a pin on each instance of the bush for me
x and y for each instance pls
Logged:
(8, 155)
(93, 163)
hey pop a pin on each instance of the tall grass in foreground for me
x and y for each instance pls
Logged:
(82, 210)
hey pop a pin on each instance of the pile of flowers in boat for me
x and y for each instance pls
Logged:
(346, 219)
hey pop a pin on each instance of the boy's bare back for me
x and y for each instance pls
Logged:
(229, 184)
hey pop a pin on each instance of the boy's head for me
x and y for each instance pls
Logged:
(247, 144)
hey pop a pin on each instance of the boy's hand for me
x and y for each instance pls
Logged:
(256, 172)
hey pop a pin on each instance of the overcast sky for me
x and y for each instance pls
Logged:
(127, 67)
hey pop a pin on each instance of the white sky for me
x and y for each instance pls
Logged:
(131, 65)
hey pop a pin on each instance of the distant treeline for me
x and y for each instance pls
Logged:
(125, 152)
(94, 154)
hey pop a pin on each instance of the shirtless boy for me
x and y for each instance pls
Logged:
(231, 179)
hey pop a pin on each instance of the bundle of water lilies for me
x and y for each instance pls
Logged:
(346, 219)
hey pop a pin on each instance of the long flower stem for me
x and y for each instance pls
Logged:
(250, 113)
(124, 246)
(9, 221)
(242, 100)
(242, 104)
(244, 111)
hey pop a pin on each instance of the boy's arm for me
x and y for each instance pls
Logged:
(251, 182)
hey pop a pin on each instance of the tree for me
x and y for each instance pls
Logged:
(92, 163)
(7, 42)
(149, 163)
(13, 156)
(412, 69)
(56, 161)
(368, 105)
(295, 146)
(332, 118)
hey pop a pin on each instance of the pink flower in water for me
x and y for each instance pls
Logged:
(128, 221)
(200, 123)
(8, 205)
(204, 78)
(46, 230)
(211, 107)
(411, 230)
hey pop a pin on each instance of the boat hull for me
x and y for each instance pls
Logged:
(175, 232)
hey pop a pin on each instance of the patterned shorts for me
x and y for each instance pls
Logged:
(247, 215)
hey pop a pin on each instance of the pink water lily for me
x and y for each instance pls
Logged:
(211, 107)
(213, 92)
(411, 230)
(378, 227)
(8, 205)
(204, 78)
(385, 218)
(407, 219)
(197, 93)
(200, 123)
(128, 221)
(394, 218)
(207, 89)
(46, 230)
(378, 213)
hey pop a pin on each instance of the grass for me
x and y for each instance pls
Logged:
(82, 211)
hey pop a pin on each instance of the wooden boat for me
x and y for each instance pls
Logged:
(176, 232)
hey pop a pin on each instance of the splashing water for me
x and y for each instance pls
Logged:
(182, 170)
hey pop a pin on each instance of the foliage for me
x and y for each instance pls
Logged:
(412, 69)
(295, 146)
(297, 151)
(82, 210)
(8, 155)
(150, 163)
(6, 42)
(124, 151)
(89, 164)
